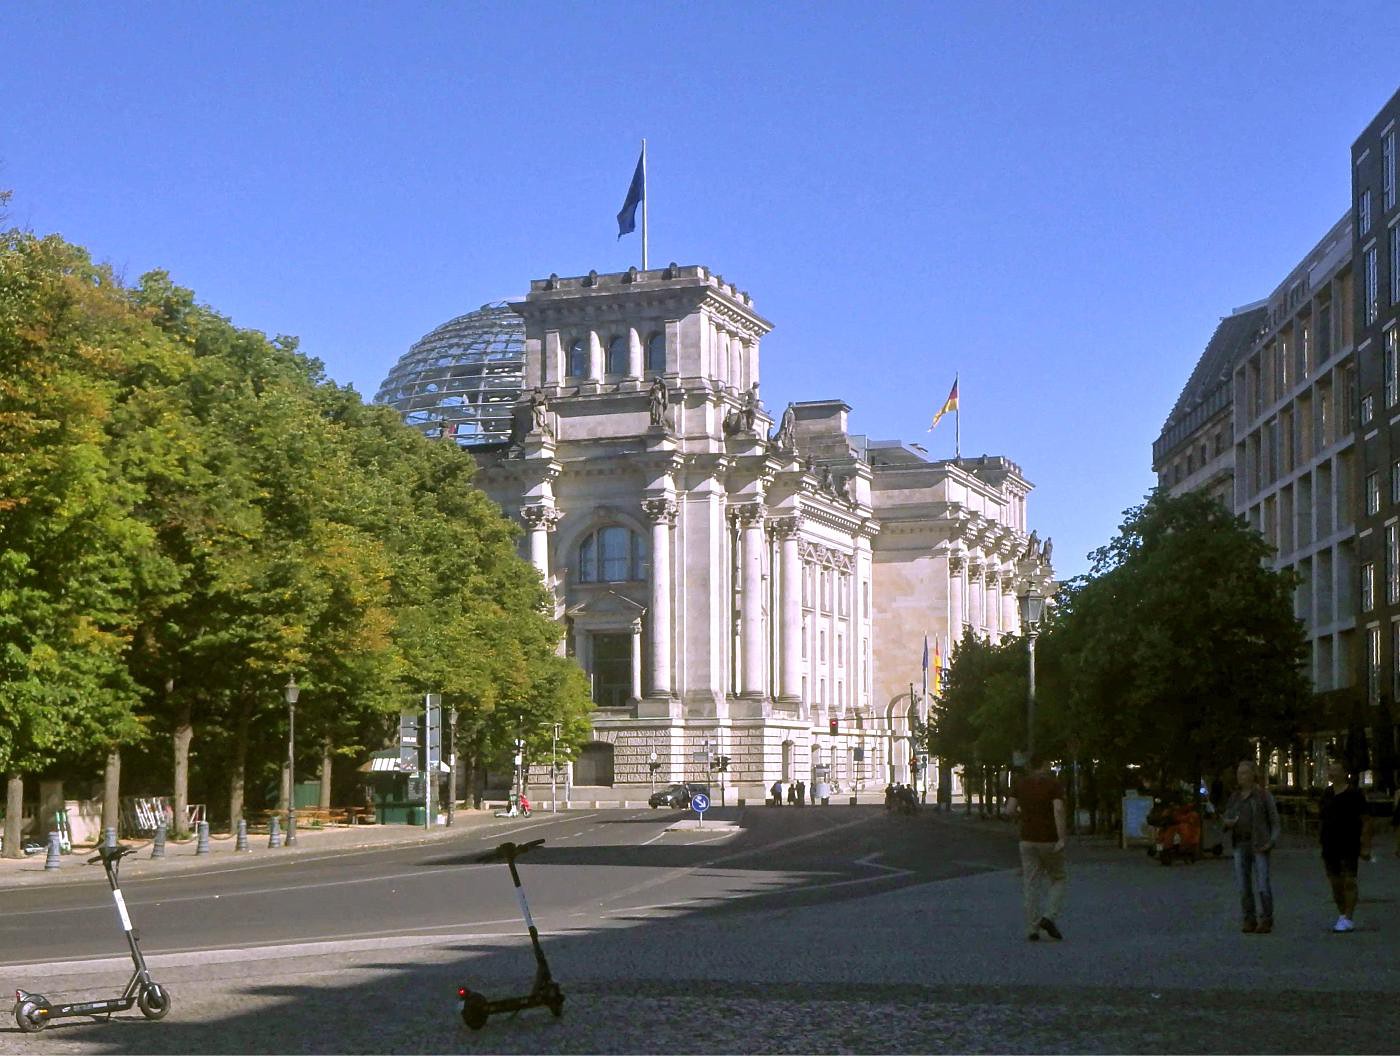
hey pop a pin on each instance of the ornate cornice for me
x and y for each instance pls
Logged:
(824, 556)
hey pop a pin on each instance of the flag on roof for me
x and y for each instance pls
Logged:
(950, 404)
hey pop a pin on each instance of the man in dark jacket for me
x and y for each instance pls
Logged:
(1251, 816)
(1345, 835)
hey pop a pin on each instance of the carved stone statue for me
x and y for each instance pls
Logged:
(824, 478)
(786, 437)
(1032, 546)
(660, 400)
(748, 411)
(1047, 550)
(539, 412)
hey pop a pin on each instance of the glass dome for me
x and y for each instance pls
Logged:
(461, 381)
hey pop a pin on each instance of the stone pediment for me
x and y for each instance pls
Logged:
(606, 608)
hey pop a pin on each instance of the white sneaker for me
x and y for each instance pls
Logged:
(1343, 924)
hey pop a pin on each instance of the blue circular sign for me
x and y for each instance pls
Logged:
(699, 802)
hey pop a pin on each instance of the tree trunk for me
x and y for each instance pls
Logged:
(326, 758)
(14, 808)
(184, 734)
(112, 790)
(236, 774)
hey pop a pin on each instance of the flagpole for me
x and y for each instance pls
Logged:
(957, 422)
(644, 205)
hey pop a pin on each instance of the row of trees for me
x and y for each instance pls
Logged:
(190, 512)
(1176, 649)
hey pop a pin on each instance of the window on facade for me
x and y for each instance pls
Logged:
(1392, 378)
(1368, 587)
(1394, 264)
(1373, 287)
(578, 360)
(1392, 564)
(840, 650)
(822, 688)
(1373, 663)
(656, 353)
(1373, 494)
(1363, 212)
(821, 647)
(865, 600)
(1368, 409)
(865, 665)
(617, 356)
(611, 555)
(1388, 170)
(804, 634)
(843, 601)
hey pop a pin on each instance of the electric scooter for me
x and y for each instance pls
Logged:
(33, 1012)
(475, 1007)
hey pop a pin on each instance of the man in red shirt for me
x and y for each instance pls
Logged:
(1038, 802)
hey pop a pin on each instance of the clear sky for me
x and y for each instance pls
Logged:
(1056, 201)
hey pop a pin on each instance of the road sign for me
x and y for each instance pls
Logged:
(700, 803)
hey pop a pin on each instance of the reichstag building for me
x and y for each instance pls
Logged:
(758, 582)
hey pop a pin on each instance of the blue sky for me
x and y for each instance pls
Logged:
(1056, 201)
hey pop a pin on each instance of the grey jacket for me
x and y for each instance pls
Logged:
(1264, 828)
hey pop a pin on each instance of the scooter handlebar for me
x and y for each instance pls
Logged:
(509, 851)
(113, 853)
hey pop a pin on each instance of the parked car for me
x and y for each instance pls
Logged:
(676, 796)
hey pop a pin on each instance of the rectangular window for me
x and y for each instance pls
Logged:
(1363, 213)
(1368, 587)
(1368, 409)
(1373, 662)
(1392, 564)
(1373, 494)
(1394, 264)
(865, 600)
(1392, 379)
(1388, 170)
(804, 639)
(840, 650)
(1373, 286)
(1395, 482)
(821, 647)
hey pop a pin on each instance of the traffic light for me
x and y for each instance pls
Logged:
(832, 724)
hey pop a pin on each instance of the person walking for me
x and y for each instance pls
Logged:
(1038, 801)
(777, 791)
(1251, 816)
(1345, 835)
(801, 793)
(792, 794)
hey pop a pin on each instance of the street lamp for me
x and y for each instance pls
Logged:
(291, 691)
(1032, 605)
(653, 763)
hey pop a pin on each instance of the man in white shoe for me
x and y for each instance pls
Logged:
(1037, 802)
(1345, 834)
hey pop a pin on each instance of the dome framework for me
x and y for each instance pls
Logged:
(462, 380)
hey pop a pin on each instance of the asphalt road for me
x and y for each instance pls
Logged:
(594, 867)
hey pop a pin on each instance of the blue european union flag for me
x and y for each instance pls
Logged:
(627, 218)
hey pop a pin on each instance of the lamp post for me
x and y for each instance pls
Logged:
(652, 764)
(553, 766)
(1032, 605)
(291, 691)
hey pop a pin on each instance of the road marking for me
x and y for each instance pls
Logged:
(869, 861)
(501, 830)
(654, 838)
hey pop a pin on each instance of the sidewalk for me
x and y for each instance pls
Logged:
(181, 856)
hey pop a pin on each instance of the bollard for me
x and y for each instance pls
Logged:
(274, 833)
(158, 843)
(109, 838)
(241, 844)
(55, 848)
(202, 847)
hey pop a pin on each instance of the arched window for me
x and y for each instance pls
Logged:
(578, 360)
(611, 555)
(617, 356)
(656, 353)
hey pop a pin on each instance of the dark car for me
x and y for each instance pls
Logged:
(677, 796)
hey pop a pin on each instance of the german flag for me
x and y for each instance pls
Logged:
(950, 404)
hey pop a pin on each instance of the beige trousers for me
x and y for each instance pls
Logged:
(1042, 866)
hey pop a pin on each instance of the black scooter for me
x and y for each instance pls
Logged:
(33, 1012)
(475, 1007)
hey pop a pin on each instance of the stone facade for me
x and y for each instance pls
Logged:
(725, 577)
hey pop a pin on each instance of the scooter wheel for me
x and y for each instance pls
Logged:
(154, 1001)
(556, 1002)
(474, 1012)
(29, 1017)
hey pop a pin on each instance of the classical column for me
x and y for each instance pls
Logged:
(1010, 618)
(596, 364)
(992, 600)
(749, 519)
(974, 593)
(956, 564)
(787, 530)
(662, 513)
(635, 363)
(541, 521)
(636, 659)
